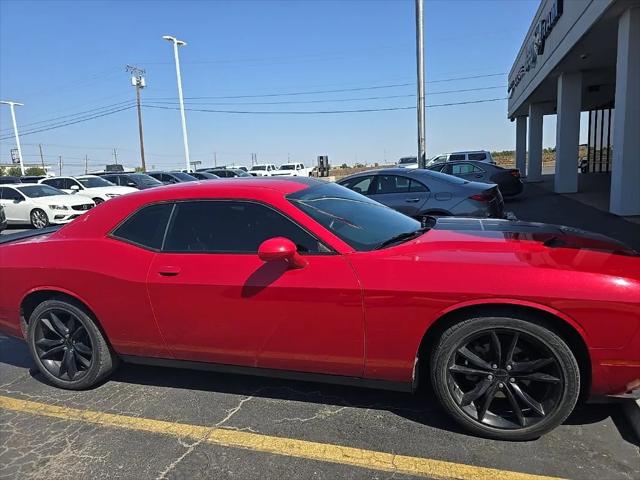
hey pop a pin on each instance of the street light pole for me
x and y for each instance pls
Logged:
(12, 106)
(177, 43)
(138, 81)
(422, 160)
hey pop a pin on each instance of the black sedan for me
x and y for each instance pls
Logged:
(508, 179)
(141, 181)
(204, 175)
(168, 178)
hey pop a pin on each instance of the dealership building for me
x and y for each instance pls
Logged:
(582, 56)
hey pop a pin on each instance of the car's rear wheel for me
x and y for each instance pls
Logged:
(505, 378)
(67, 346)
(39, 218)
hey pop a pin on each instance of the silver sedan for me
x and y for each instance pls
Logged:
(418, 192)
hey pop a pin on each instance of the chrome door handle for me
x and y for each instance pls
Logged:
(412, 200)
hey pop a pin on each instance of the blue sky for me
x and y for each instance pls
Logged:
(60, 58)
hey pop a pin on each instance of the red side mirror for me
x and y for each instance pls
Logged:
(280, 248)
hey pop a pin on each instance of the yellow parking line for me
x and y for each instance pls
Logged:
(290, 447)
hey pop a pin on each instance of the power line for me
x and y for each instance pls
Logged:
(93, 110)
(355, 89)
(321, 112)
(30, 132)
(331, 100)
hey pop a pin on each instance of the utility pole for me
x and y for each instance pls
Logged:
(215, 159)
(60, 165)
(86, 164)
(115, 155)
(422, 159)
(138, 81)
(41, 155)
(12, 107)
(176, 44)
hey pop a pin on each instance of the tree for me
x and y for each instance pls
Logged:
(344, 165)
(35, 171)
(2, 172)
(14, 171)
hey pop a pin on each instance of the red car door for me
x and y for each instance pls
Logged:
(216, 301)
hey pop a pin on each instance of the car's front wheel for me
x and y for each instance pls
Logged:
(505, 378)
(39, 218)
(97, 200)
(67, 346)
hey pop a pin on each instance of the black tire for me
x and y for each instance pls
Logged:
(97, 200)
(39, 218)
(544, 396)
(44, 337)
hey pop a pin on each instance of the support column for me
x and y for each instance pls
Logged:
(534, 168)
(521, 144)
(625, 168)
(568, 132)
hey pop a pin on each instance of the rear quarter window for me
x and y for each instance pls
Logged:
(146, 227)
(478, 156)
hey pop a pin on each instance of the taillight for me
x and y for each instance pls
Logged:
(515, 172)
(482, 197)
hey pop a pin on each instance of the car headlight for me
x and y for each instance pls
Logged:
(58, 207)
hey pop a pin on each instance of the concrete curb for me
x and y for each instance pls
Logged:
(631, 410)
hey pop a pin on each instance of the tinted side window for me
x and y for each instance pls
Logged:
(231, 227)
(478, 156)
(146, 227)
(392, 184)
(9, 194)
(456, 157)
(68, 182)
(55, 182)
(360, 184)
(462, 169)
(416, 186)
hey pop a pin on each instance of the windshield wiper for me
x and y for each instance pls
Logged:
(402, 237)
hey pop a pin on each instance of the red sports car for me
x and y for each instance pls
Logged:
(512, 322)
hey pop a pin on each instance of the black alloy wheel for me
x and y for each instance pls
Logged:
(67, 345)
(63, 344)
(505, 378)
(97, 200)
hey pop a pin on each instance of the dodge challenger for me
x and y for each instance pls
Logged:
(510, 323)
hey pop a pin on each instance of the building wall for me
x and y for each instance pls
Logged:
(532, 66)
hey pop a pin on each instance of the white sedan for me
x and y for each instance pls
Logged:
(96, 188)
(40, 205)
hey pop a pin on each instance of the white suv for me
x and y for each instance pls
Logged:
(263, 170)
(477, 155)
(92, 186)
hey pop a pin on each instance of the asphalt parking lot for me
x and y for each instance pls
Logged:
(257, 427)
(148, 422)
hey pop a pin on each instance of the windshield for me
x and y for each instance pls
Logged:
(259, 167)
(144, 179)
(94, 182)
(406, 160)
(359, 221)
(287, 167)
(36, 191)
(241, 173)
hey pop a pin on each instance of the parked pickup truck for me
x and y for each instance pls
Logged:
(292, 170)
(263, 170)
